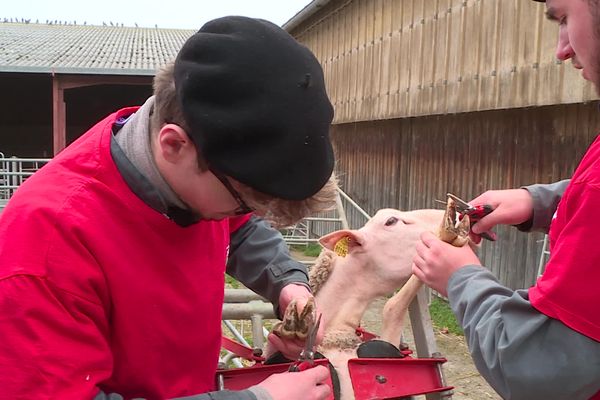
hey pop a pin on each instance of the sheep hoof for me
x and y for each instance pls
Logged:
(295, 325)
(454, 230)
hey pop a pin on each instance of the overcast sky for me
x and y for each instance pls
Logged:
(184, 14)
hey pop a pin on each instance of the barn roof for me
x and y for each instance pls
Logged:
(87, 49)
(308, 11)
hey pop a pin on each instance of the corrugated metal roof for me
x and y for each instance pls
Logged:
(87, 49)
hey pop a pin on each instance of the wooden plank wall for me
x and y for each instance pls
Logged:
(386, 59)
(408, 163)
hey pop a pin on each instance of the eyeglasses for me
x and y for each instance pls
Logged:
(243, 207)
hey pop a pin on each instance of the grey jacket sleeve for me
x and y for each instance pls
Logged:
(522, 353)
(545, 201)
(260, 259)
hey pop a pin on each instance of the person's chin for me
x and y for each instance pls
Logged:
(584, 75)
(595, 79)
(596, 83)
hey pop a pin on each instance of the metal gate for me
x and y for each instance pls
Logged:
(13, 172)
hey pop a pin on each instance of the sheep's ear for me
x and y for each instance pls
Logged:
(351, 240)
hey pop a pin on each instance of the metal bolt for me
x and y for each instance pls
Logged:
(380, 379)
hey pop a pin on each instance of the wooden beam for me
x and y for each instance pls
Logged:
(59, 137)
(62, 82)
(75, 81)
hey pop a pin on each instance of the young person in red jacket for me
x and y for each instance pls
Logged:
(113, 255)
(541, 343)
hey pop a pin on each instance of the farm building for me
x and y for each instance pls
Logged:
(63, 78)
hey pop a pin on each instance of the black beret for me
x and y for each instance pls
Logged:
(256, 106)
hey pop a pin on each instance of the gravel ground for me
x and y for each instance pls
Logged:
(458, 370)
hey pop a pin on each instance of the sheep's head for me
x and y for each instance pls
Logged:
(385, 246)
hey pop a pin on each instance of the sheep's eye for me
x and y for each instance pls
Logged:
(391, 221)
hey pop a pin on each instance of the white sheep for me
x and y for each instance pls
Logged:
(378, 261)
(358, 266)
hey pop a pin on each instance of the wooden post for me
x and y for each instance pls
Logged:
(60, 83)
(59, 136)
(425, 344)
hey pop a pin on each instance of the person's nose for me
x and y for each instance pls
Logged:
(564, 51)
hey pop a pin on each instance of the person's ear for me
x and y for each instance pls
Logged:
(173, 142)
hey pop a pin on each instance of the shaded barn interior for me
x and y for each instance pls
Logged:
(26, 111)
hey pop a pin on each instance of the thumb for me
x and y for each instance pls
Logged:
(318, 374)
(486, 223)
(475, 238)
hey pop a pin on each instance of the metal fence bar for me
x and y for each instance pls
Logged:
(22, 160)
(354, 204)
(322, 219)
(238, 336)
(14, 171)
(545, 254)
(242, 305)
(241, 296)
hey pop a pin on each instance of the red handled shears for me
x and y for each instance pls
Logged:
(475, 213)
(306, 359)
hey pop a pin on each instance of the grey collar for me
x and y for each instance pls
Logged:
(131, 150)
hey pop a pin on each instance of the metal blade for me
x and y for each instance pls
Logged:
(461, 205)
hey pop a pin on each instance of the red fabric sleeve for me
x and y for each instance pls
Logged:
(53, 342)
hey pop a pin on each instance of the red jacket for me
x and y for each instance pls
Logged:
(98, 290)
(568, 290)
